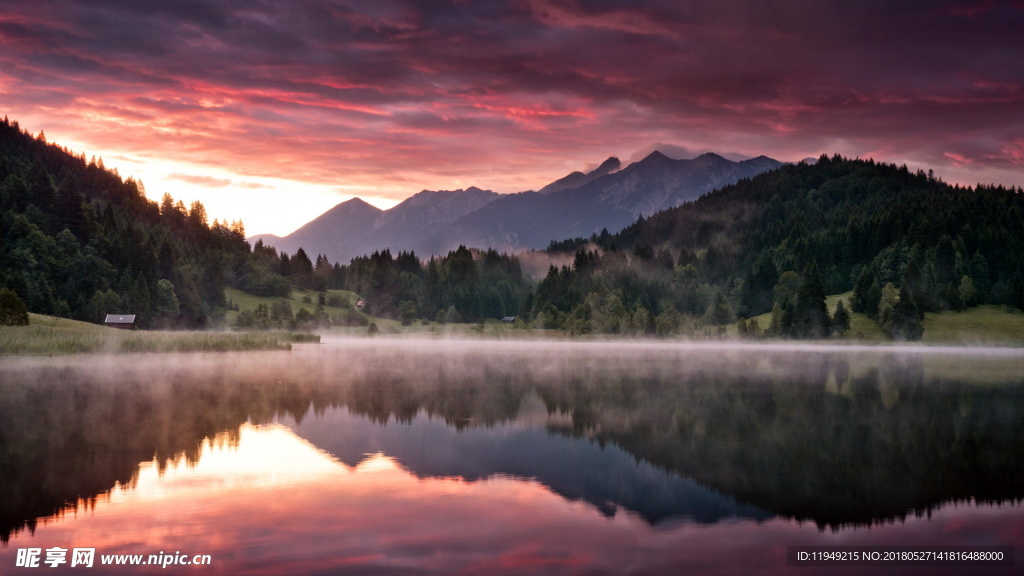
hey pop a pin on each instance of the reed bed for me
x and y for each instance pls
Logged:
(57, 338)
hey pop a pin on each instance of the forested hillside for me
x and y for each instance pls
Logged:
(463, 286)
(905, 242)
(79, 241)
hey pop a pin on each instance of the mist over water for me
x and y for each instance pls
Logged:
(669, 443)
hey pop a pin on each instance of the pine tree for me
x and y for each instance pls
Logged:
(902, 321)
(864, 298)
(167, 306)
(811, 314)
(841, 320)
(966, 292)
(719, 312)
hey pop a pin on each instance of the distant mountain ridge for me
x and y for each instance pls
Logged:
(579, 204)
(354, 227)
(577, 179)
(613, 201)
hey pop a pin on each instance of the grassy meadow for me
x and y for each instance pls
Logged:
(995, 325)
(307, 299)
(862, 328)
(51, 336)
(978, 325)
(299, 299)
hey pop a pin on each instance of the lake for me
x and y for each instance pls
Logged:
(375, 456)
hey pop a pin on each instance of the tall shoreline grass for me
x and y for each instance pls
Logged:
(48, 336)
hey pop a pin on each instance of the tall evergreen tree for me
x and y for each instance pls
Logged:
(841, 320)
(811, 318)
(902, 322)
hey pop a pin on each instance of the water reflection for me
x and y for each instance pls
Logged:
(662, 434)
(607, 477)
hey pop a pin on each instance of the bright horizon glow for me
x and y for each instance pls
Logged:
(229, 196)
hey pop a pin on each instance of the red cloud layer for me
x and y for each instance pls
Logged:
(509, 94)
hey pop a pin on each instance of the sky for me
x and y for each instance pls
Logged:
(273, 111)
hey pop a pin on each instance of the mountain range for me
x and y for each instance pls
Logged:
(579, 204)
(354, 227)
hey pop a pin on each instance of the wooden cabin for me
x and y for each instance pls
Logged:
(122, 321)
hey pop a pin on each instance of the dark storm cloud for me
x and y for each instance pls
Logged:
(447, 87)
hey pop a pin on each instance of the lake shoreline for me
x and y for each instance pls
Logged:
(60, 337)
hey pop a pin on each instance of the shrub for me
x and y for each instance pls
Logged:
(350, 317)
(338, 301)
(12, 309)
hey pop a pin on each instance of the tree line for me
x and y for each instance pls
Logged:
(905, 243)
(463, 286)
(79, 241)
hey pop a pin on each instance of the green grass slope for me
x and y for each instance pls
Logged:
(246, 301)
(997, 325)
(385, 326)
(52, 336)
(978, 325)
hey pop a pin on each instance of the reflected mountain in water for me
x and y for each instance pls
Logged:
(838, 438)
(574, 468)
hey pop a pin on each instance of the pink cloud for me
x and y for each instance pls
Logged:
(205, 181)
(571, 15)
(1013, 152)
(959, 160)
(410, 95)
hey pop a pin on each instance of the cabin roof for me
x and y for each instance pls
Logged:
(120, 319)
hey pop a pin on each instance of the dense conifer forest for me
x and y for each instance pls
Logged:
(79, 241)
(463, 286)
(905, 243)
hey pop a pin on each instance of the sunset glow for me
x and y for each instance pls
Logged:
(274, 113)
(255, 514)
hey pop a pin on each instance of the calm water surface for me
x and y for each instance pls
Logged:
(396, 457)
